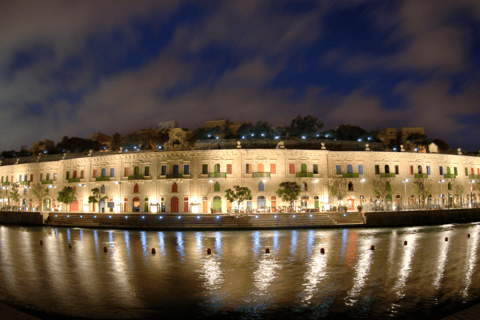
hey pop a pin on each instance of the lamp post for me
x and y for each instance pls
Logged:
(120, 193)
(265, 205)
(441, 191)
(405, 184)
(472, 183)
(361, 202)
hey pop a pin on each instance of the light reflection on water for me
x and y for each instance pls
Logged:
(427, 276)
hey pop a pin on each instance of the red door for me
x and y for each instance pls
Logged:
(274, 204)
(205, 206)
(185, 205)
(174, 204)
(74, 206)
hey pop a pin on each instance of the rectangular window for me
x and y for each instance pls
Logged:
(20, 178)
(94, 173)
(41, 177)
(204, 168)
(247, 169)
(54, 177)
(82, 175)
(112, 172)
(292, 168)
(440, 169)
(455, 170)
(31, 178)
(186, 169)
(315, 168)
(428, 170)
(67, 176)
(466, 171)
(411, 169)
(397, 170)
(377, 169)
(229, 169)
(339, 169)
(127, 171)
(147, 171)
(360, 169)
(273, 168)
(164, 170)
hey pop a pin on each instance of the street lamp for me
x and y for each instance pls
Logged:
(441, 191)
(265, 205)
(120, 193)
(405, 184)
(362, 181)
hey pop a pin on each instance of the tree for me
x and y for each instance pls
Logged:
(116, 140)
(348, 132)
(457, 189)
(442, 145)
(423, 188)
(238, 194)
(418, 139)
(337, 187)
(382, 188)
(40, 192)
(307, 125)
(289, 191)
(67, 196)
(14, 192)
(96, 197)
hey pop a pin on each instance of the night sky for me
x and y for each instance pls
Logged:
(69, 68)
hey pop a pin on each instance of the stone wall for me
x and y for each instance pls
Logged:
(421, 218)
(21, 218)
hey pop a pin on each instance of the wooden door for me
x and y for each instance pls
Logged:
(174, 204)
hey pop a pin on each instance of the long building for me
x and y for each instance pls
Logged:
(193, 180)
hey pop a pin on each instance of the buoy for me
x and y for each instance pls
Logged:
(70, 245)
(154, 251)
(405, 243)
(468, 235)
(105, 249)
(267, 250)
(209, 251)
(41, 242)
(372, 247)
(322, 251)
(446, 238)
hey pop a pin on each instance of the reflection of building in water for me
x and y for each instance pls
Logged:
(362, 270)
(470, 263)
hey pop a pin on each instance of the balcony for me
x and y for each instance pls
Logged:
(24, 183)
(351, 175)
(387, 175)
(135, 177)
(260, 174)
(174, 176)
(217, 175)
(474, 176)
(449, 176)
(5, 183)
(74, 180)
(421, 175)
(47, 181)
(104, 179)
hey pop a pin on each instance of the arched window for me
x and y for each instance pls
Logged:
(26, 176)
(216, 168)
(350, 186)
(387, 168)
(137, 170)
(48, 176)
(175, 169)
(261, 186)
(75, 173)
(303, 167)
(104, 172)
(448, 170)
(349, 169)
(102, 189)
(216, 186)
(304, 186)
(260, 167)
(472, 171)
(449, 186)
(419, 169)
(136, 188)
(174, 187)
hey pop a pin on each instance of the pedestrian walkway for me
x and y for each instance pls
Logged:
(472, 313)
(9, 313)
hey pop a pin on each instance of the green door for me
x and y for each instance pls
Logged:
(217, 204)
(317, 205)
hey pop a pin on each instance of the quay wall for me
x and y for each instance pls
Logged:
(21, 218)
(421, 217)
